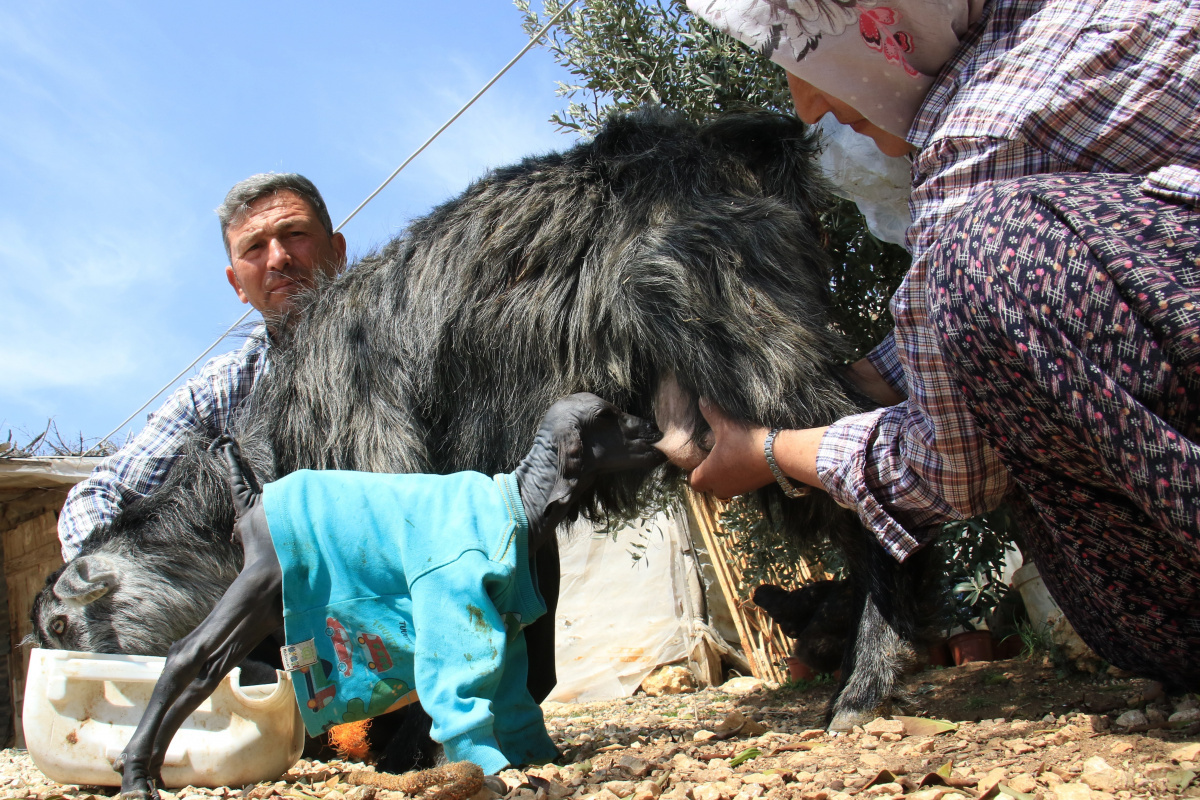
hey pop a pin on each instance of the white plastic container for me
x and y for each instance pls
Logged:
(1045, 613)
(81, 710)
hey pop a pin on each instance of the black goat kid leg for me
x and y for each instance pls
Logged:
(196, 664)
(249, 611)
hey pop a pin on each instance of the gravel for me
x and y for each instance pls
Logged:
(766, 745)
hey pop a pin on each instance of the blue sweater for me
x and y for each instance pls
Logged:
(402, 585)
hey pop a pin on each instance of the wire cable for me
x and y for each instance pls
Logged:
(528, 46)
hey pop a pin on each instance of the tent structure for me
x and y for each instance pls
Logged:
(32, 491)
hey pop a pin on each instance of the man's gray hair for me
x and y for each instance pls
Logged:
(245, 193)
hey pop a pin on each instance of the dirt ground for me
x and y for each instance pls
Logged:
(1024, 731)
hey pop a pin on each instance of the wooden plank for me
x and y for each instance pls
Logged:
(761, 641)
(765, 646)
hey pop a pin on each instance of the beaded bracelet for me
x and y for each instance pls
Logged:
(789, 488)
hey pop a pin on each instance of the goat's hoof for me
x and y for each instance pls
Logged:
(844, 721)
(140, 794)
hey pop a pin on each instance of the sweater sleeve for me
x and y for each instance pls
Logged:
(520, 727)
(460, 658)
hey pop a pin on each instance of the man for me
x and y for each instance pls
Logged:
(278, 236)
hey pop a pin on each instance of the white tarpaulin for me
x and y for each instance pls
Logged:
(44, 472)
(618, 618)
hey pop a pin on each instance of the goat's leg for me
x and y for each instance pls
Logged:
(249, 611)
(870, 670)
(886, 594)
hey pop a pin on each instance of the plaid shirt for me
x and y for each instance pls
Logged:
(205, 404)
(1039, 86)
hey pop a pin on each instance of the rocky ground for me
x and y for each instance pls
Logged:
(1018, 730)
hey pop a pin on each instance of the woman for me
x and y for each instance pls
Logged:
(1047, 341)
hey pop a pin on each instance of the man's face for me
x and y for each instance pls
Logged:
(276, 249)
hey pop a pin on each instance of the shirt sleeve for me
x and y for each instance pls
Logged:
(204, 405)
(460, 658)
(908, 468)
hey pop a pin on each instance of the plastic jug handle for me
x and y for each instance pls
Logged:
(110, 671)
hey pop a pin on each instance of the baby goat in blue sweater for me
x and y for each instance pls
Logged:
(394, 586)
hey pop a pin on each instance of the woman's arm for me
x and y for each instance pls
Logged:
(737, 463)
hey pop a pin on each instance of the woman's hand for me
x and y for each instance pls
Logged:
(737, 464)
(871, 383)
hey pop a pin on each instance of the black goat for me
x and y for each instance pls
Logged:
(817, 617)
(659, 251)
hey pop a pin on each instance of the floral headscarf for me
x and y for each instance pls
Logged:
(877, 56)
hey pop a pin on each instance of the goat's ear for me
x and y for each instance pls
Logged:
(86, 579)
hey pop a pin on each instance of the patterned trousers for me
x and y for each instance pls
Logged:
(1069, 307)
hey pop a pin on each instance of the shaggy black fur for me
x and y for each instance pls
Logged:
(658, 249)
(151, 576)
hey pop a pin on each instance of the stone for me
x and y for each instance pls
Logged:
(647, 789)
(1073, 791)
(1133, 718)
(1121, 747)
(742, 685)
(1018, 746)
(603, 794)
(772, 781)
(872, 760)
(1023, 783)
(681, 761)
(883, 790)
(987, 782)
(811, 733)
(1185, 716)
(754, 728)
(703, 736)
(881, 725)
(637, 767)
(1101, 776)
(669, 680)
(708, 791)
(1187, 703)
(680, 791)
(1189, 752)
(868, 742)
(620, 788)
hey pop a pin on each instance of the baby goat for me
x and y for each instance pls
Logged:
(448, 561)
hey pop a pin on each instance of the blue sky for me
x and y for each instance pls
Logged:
(122, 125)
